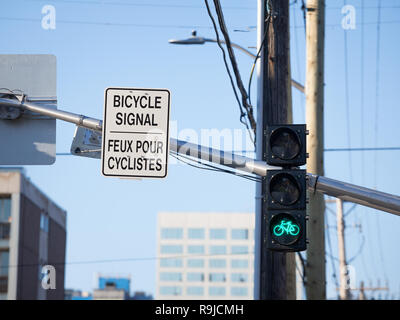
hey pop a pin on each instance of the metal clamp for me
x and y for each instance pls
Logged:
(80, 121)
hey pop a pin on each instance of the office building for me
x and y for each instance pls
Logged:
(205, 255)
(112, 288)
(71, 294)
(32, 235)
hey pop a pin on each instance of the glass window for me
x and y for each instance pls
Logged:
(216, 291)
(195, 276)
(171, 263)
(171, 290)
(217, 277)
(240, 234)
(195, 291)
(196, 249)
(239, 263)
(217, 233)
(239, 277)
(5, 228)
(44, 222)
(217, 263)
(5, 209)
(195, 263)
(239, 291)
(4, 262)
(4, 265)
(171, 276)
(217, 249)
(171, 233)
(170, 248)
(196, 233)
(239, 249)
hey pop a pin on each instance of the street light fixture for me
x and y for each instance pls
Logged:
(194, 39)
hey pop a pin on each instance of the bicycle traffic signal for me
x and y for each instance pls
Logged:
(285, 189)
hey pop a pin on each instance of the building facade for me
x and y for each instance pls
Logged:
(32, 236)
(205, 255)
(112, 288)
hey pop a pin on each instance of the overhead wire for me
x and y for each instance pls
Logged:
(347, 102)
(304, 9)
(377, 107)
(55, 263)
(262, 45)
(364, 264)
(330, 254)
(155, 26)
(231, 54)
(297, 55)
(243, 118)
(211, 167)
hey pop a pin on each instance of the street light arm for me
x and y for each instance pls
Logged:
(295, 84)
(200, 40)
(249, 53)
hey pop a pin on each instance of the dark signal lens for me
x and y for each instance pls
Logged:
(284, 189)
(285, 144)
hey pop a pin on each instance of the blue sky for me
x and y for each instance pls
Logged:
(100, 44)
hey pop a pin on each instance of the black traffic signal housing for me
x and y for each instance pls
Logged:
(285, 189)
(286, 145)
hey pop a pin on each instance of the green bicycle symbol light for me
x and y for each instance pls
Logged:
(286, 227)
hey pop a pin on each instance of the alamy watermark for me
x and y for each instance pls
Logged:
(49, 17)
(349, 19)
(48, 274)
(350, 276)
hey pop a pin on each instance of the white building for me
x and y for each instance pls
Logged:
(205, 255)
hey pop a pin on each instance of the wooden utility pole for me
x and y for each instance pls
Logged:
(315, 34)
(272, 108)
(344, 292)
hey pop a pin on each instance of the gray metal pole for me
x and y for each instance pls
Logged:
(259, 139)
(339, 189)
(79, 120)
(356, 194)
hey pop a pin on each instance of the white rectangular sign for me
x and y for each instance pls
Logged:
(135, 133)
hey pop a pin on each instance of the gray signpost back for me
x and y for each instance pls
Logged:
(28, 139)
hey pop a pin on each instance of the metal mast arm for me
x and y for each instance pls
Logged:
(339, 189)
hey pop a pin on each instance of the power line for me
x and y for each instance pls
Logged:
(304, 9)
(156, 26)
(378, 45)
(242, 113)
(299, 73)
(330, 255)
(110, 24)
(362, 132)
(211, 167)
(257, 57)
(363, 149)
(150, 5)
(185, 6)
(126, 259)
(239, 83)
(346, 90)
